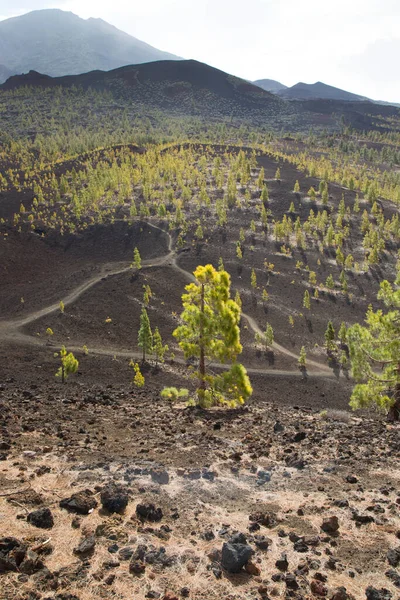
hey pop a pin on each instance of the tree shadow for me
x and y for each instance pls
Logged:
(270, 356)
(303, 371)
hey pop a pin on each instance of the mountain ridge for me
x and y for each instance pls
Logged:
(58, 43)
(270, 85)
(179, 87)
(318, 90)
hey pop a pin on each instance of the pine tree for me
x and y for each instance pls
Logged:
(302, 362)
(377, 345)
(342, 333)
(296, 188)
(264, 194)
(69, 364)
(138, 378)
(278, 174)
(147, 295)
(253, 279)
(330, 283)
(159, 348)
(306, 300)
(269, 336)
(145, 336)
(137, 261)
(330, 337)
(210, 331)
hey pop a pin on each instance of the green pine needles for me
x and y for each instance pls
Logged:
(210, 332)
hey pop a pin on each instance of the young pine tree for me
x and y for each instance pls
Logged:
(138, 379)
(210, 332)
(302, 362)
(137, 261)
(306, 300)
(159, 348)
(330, 337)
(269, 336)
(375, 354)
(69, 364)
(145, 336)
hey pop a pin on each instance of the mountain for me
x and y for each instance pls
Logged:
(270, 85)
(319, 90)
(58, 43)
(178, 87)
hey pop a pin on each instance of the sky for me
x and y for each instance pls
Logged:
(351, 44)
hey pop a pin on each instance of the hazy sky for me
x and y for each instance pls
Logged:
(352, 44)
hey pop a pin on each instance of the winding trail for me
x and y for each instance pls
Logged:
(11, 330)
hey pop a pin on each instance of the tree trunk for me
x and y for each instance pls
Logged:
(394, 411)
(202, 362)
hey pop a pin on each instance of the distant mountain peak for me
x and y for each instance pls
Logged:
(270, 85)
(65, 44)
(318, 91)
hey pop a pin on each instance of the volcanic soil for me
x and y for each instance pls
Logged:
(313, 488)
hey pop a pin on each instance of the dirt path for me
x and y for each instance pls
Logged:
(11, 330)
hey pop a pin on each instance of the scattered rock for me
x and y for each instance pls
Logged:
(160, 476)
(236, 553)
(148, 512)
(126, 553)
(318, 588)
(252, 569)
(351, 479)
(393, 557)
(330, 525)
(81, 503)
(12, 553)
(394, 577)
(375, 594)
(114, 498)
(262, 542)
(267, 519)
(291, 582)
(340, 594)
(86, 546)
(31, 563)
(41, 518)
(282, 563)
(362, 519)
(136, 567)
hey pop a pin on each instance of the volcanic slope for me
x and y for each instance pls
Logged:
(183, 87)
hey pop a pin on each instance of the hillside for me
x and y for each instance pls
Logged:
(270, 85)
(59, 43)
(187, 87)
(111, 490)
(306, 91)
